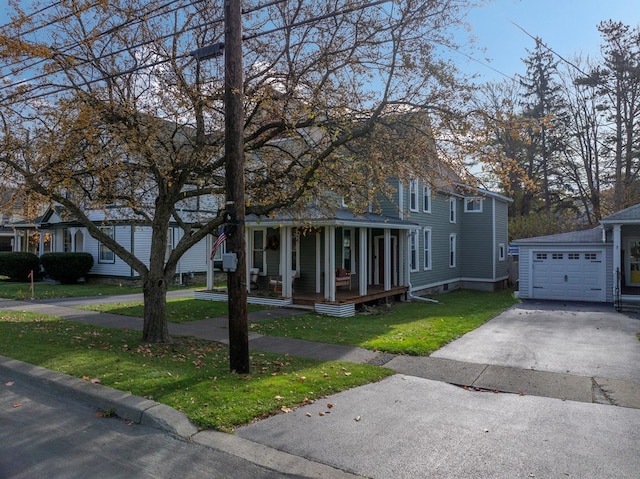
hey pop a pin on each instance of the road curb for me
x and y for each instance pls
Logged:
(122, 404)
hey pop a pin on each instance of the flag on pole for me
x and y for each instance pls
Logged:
(222, 236)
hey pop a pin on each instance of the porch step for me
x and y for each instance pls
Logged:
(628, 306)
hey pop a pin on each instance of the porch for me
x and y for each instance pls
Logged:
(344, 305)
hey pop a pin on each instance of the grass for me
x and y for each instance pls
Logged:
(416, 328)
(15, 290)
(189, 375)
(179, 310)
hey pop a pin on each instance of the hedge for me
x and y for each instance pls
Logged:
(67, 268)
(17, 265)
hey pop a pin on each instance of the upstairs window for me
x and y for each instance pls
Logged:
(413, 195)
(426, 199)
(452, 210)
(473, 205)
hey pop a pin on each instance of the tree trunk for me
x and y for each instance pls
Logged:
(155, 329)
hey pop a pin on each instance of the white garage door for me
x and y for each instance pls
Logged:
(571, 275)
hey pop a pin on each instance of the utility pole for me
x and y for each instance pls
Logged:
(234, 156)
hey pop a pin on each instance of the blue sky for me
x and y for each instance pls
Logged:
(567, 26)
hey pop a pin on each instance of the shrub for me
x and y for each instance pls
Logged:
(67, 268)
(17, 266)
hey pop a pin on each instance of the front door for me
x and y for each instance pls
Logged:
(380, 259)
(632, 262)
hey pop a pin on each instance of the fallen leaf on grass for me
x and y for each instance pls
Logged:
(286, 409)
(18, 404)
(95, 381)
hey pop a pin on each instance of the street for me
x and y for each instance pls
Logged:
(45, 437)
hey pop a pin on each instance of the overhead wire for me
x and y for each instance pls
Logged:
(184, 55)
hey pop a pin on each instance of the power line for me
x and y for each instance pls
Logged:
(64, 49)
(184, 55)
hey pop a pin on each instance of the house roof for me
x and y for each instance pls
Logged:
(574, 237)
(339, 217)
(630, 215)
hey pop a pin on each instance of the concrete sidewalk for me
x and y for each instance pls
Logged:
(480, 376)
(425, 376)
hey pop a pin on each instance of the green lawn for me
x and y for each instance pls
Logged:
(416, 328)
(179, 310)
(189, 375)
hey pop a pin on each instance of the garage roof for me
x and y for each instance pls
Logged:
(574, 237)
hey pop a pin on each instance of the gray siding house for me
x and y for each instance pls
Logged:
(422, 242)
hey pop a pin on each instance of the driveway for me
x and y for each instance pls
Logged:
(584, 339)
(407, 426)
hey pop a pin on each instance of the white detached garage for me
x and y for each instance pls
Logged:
(576, 266)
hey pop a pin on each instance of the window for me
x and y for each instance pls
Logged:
(573, 255)
(105, 255)
(413, 195)
(347, 238)
(452, 250)
(473, 205)
(501, 252)
(258, 246)
(169, 246)
(67, 241)
(452, 210)
(591, 256)
(557, 256)
(426, 199)
(427, 248)
(413, 251)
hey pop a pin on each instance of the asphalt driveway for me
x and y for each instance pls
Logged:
(584, 339)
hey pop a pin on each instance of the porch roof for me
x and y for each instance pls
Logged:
(339, 217)
(629, 216)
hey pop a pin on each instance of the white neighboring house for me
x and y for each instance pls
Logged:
(59, 233)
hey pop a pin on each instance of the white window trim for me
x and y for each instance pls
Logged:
(102, 248)
(453, 256)
(414, 244)
(263, 266)
(473, 200)
(426, 263)
(452, 209)
(426, 199)
(502, 255)
(413, 195)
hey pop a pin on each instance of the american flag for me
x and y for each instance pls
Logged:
(222, 235)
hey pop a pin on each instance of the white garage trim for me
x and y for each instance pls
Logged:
(568, 273)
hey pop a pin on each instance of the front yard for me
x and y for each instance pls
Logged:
(192, 375)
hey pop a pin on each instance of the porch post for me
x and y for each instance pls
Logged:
(387, 259)
(210, 272)
(41, 243)
(363, 273)
(403, 268)
(248, 263)
(318, 264)
(617, 263)
(17, 246)
(330, 263)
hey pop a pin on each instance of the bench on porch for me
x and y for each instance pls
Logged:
(343, 277)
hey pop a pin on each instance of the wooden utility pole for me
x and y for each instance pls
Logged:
(234, 155)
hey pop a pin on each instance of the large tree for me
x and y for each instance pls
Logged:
(104, 106)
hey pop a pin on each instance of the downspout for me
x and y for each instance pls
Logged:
(410, 287)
